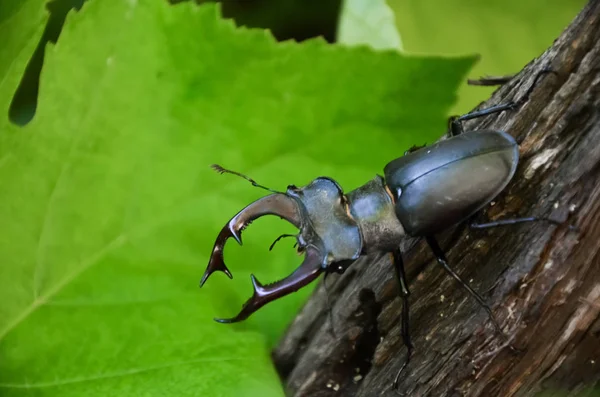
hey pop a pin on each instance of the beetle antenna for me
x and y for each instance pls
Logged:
(222, 170)
(279, 238)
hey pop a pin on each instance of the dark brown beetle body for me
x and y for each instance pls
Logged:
(423, 193)
(445, 183)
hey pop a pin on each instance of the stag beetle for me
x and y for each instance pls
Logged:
(421, 194)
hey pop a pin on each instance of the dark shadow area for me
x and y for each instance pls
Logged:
(287, 19)
(24, 103)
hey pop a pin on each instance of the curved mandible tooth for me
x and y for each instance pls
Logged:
(216, 261)
(278, 204)
(308, 271)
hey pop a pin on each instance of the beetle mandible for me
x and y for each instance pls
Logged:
(422, 193)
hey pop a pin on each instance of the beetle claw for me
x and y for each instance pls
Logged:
(276, 204)
(309, 270)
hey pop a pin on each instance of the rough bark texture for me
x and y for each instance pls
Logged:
(541, 280)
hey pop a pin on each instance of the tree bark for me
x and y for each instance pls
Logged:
(541, 280)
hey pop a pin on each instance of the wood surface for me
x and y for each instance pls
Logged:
(541, 280)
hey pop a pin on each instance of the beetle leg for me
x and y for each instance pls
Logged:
(491, 80)
(404, 294)
(308, 271)
(441, 259)
(456, 127)
(455, 122)
(513, 221)
(275, 204)
(414, 148)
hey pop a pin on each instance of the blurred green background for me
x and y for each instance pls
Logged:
(505, 34)
(112, 112)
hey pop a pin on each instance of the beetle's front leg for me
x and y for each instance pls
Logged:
(405, 326)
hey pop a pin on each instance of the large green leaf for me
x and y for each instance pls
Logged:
(109, 208)
(506, 33)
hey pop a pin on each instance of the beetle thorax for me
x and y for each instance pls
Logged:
(344, 226)
(372, 207)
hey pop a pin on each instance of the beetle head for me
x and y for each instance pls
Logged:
(327, 234)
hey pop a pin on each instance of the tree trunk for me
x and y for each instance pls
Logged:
(541, 280)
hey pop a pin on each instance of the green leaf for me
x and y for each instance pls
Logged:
(506, 33)
(369, 22)
(109, 208)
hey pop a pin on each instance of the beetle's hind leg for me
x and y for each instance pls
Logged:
(405, 326)
(514, 221)
(455, 122)
(455, 126)
(441, 259)
(489, 81)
